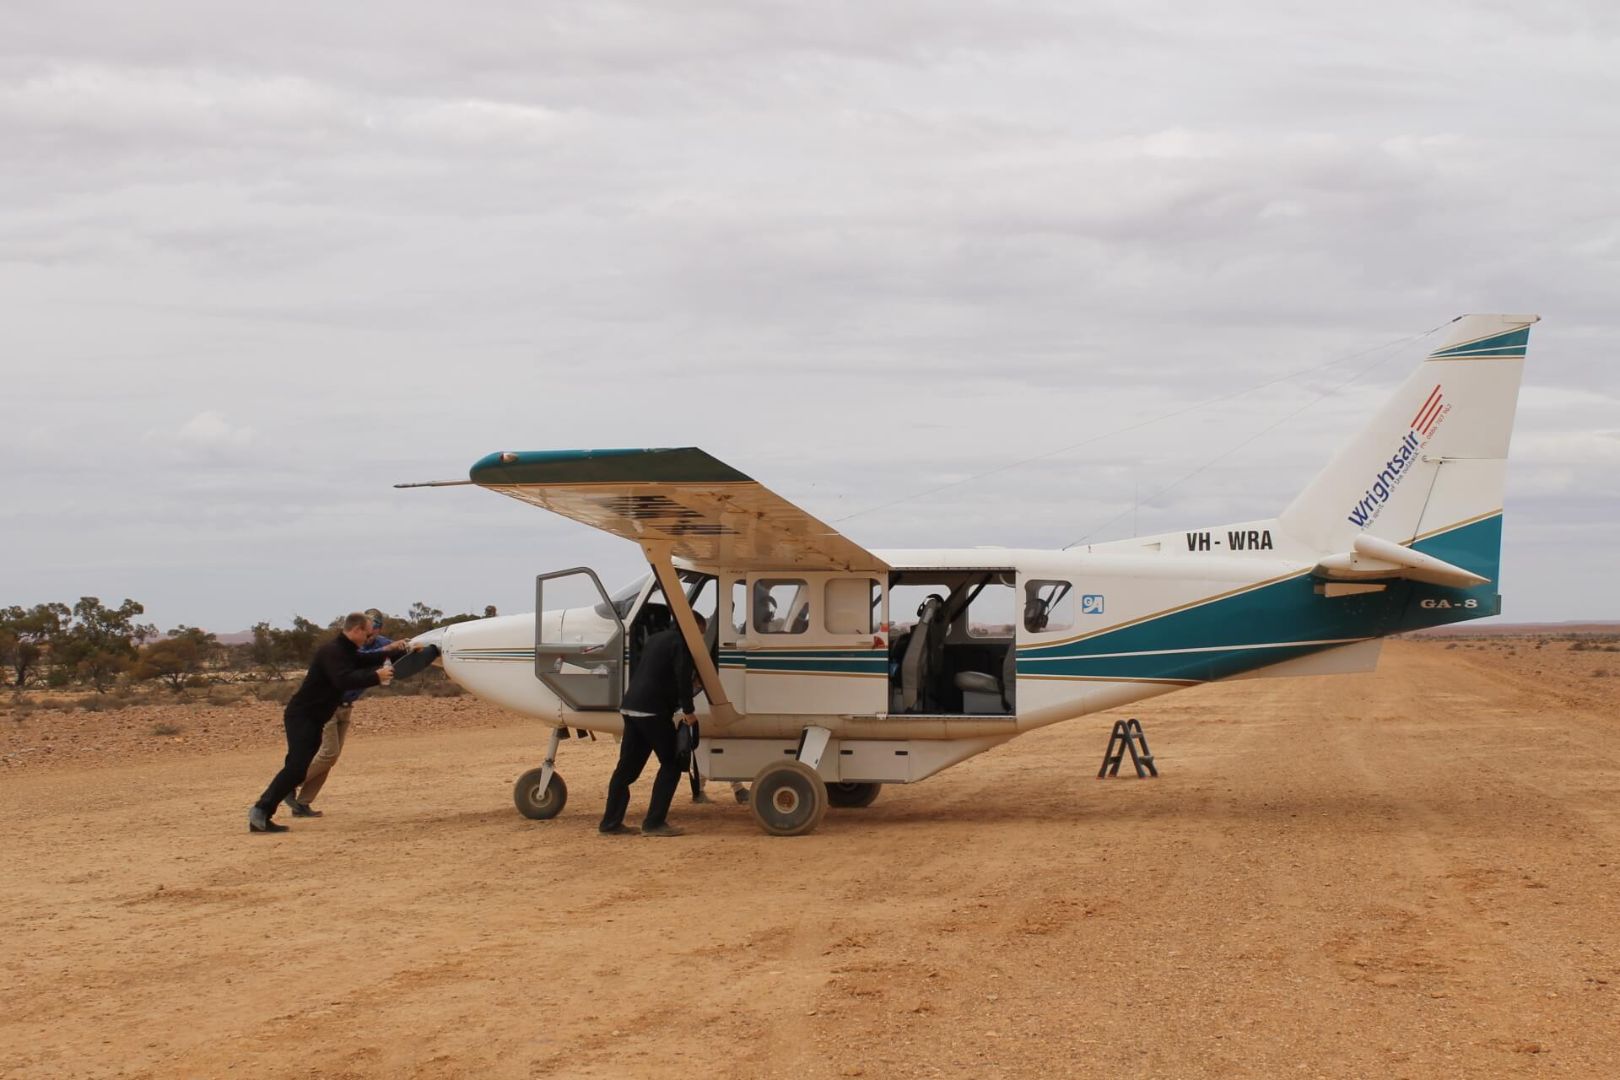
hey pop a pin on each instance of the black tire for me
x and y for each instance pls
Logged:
(852, 795)
(788, 798)
(534, 804)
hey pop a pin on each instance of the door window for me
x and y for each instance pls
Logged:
(780, 606)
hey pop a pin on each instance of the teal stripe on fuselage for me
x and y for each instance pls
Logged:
(830, 667)
(1171, 666)
(865, 662)
(1278, 621)
(811, 661)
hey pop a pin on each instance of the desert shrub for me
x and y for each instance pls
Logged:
(56, 703)
(167, 729)
(442, 688)
(104, 703)
(1579, 646)
(278, 692)
(226, 695)
(1453, 645)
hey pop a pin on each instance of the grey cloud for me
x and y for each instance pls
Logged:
(858, 251)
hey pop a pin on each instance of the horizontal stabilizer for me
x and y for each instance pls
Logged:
(1371, 558)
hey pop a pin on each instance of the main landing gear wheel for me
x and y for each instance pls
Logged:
(536, 804)
(788, 798)
(852, 795)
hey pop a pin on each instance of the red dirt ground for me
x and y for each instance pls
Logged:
(1412, 873)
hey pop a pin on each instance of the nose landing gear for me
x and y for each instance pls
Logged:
(540, 794)
(540, 799)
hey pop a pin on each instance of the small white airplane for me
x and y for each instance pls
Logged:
(830, 670)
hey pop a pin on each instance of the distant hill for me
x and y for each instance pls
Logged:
(241, 637)
(1501, 629)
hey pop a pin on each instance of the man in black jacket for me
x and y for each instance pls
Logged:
(339, 666)
(661, 681)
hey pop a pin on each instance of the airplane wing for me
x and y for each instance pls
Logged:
(710, 512)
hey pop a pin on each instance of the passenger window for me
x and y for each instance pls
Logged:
(780, 606)
(850, 605)
(1048, 606)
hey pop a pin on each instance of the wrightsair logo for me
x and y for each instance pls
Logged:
(1424, 424)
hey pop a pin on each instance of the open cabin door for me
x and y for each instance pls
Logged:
(578, 651)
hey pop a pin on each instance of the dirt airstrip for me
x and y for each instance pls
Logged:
(1412, 873)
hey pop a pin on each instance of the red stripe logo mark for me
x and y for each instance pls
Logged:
(1428, 421)
(1428, 406)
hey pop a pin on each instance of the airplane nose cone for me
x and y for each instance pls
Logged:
(431, 637)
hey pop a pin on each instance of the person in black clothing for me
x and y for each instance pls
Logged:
(661, 680)
(339, 666)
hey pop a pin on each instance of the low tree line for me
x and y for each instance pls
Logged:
(95, 646)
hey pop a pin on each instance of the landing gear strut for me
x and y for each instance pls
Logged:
(540, 794)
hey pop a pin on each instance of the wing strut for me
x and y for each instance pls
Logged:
(658, 556)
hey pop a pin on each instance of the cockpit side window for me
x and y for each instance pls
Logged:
(624, 598)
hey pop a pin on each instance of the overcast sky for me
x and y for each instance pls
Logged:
(258, 262)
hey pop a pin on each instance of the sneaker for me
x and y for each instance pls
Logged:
(300, 809)
(619, 830)
(259, 821)
(664, 829)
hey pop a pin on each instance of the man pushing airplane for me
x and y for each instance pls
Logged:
(338, 668)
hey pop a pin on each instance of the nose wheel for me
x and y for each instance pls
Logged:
(540, 794)
(540, 797)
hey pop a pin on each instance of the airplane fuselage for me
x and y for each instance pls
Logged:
(1147, 616)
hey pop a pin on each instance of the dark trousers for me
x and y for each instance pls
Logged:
(644, 735)
(303, 743)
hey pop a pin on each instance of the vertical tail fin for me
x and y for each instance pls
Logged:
(1434, 456)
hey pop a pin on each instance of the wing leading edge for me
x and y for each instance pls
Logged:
(711, 513)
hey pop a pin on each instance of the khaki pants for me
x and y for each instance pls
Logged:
(333, 735)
